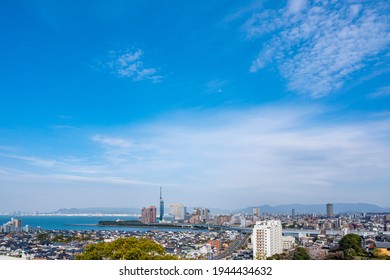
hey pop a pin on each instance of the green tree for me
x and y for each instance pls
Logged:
(282, 256)
(43, 236)
(351, 241)
(300, 253)
(126, 249)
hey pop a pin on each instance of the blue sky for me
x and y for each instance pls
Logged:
(222, 103)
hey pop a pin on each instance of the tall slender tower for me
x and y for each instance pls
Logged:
(161, 206)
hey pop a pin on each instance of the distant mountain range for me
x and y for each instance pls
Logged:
(108, 210)
(278, 209)
(317, 208)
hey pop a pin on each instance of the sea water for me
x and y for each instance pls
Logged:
(80, 223)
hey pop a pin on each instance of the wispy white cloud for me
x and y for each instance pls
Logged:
(128, 64)
(318, 45)
(88, 179)
(243, 11)
(263, 151)
(34, 160)
(3, 171)
(250, 156)
(295, 6)
(380, 92)
(118, 150)
(44, 165)
(7, 148)
(113, 141)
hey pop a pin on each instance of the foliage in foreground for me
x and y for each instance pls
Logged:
(131, 248)
(299, 253)
(350, 248)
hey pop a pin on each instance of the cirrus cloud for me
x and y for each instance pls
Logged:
(318, 45)
(128, 64)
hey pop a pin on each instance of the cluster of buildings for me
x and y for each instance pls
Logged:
(275, 234)
(149, 214)
(240, 236)
(31, 246)
(66, 244)
(319, 234)
(194, 244)
(177, 212)
(267, 239)
(15, 225)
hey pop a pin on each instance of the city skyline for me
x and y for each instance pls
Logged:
(302, 209)
(222, 103)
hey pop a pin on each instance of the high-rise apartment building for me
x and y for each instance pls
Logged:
(255, 214)
(223, 219)
(148, 215)
(329, 210)
(267, 239)
(206, 213)
(196, 217)
(15, 225)
(16, 222)
(178, 211)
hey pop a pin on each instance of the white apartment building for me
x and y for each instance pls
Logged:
(288, 242)
(267, 239)
(178, 211)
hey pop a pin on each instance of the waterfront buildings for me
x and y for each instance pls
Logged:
(206, 214)
(200, 215)
(15, 225)
(178, 211)
(267, 239)
(223, 219)
(196, 216)
(148, 215)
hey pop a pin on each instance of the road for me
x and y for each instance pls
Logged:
(236, 245)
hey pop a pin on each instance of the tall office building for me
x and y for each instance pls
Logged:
(206, 213)
(148, 215)
(329, 210)
(267, 239)
(161, 206)
(178, 211)
(255, 214)
(196, 217)
(15, 225)
(16, 222)
(293, 214)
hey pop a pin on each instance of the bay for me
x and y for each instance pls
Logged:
(81, 223)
